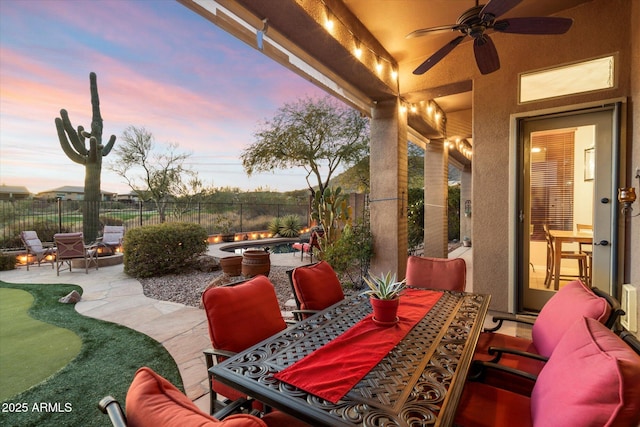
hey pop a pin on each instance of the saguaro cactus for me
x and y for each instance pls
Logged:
(73, 143)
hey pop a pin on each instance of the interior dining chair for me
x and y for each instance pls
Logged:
(591, 379)
(240, 315)
(436, 273)
(315, 287)
(587, 249)
(572, 302)
(71, 246)
(580, 257)
(34, 247)
(152, 401)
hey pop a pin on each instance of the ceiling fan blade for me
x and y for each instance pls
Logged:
(433, 59)
(424, 31)
(486, 55)
(496, 8)
(533, 25)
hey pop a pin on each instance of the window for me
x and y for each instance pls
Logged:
(552, 182)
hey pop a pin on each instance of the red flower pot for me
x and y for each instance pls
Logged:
(385, 311)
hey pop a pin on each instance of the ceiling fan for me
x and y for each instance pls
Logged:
(475, 23)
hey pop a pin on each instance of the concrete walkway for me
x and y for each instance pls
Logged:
(109, 294)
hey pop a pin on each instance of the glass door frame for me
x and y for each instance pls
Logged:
(519, 249)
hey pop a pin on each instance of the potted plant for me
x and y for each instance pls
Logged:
(384, 294)
(224, 225)
(466, 242)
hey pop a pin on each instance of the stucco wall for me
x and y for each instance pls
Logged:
(495, 99)
(634, 134)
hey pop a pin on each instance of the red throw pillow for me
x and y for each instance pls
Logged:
(591, 379)
(572, 302)
(153, 401)
(317, 286)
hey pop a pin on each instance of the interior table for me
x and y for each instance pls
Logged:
(418, 383)
(558, 237)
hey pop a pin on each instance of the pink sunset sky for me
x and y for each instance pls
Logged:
(159, 66)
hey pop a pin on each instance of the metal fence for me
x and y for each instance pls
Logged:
(50, 217)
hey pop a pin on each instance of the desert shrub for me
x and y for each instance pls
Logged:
(156, 250)
(275, 225)
(350, 255)
(290, 226)
(7, 262)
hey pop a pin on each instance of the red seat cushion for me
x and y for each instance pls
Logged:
(568, 305)
(436, 273)
(484, 406)
(317, 286)
(153, 401)
(242, 315)
(591, 379)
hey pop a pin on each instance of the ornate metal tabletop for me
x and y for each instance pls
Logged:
(418, 383)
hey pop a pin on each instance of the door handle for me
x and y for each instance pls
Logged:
(602, 243)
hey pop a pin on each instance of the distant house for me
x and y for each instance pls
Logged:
(69, 192)
(14, 192)
(128, 198)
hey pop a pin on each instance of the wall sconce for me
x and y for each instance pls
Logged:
(467, 208)
(626, 197)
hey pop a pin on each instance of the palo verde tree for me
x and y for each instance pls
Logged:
(74, 145)
(318, 135)
(159, 176)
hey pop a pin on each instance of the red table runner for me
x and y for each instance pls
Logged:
(332, 370)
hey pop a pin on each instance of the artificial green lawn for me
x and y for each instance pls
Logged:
(24, 341)
(109, 356)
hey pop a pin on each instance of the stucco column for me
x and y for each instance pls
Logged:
(436, 168)
(465, 194)
(388, 198)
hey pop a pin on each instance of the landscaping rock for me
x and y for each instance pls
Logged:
(71, 298)
(206, 263)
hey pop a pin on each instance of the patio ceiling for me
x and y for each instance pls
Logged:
(296, 36)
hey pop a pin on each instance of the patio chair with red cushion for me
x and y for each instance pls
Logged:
(240, 315)
(70, 246)
(571, 303)
(152, 401)
(315, 287)
(436, 273)
(591, 379)
(308, 248)
(34, 247)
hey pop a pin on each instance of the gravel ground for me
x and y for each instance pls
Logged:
(187, 288)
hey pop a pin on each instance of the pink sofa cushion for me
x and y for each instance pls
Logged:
(571, 303)
(437, 273)
(154, 401)
(591, 379)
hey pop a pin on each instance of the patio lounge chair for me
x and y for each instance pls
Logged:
(71, 246)
(573, 302)
(591, 379)
(112, 236)
(35, 248)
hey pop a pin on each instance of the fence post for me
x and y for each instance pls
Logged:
(59, 199)
(199, 213)
(241, 217)
(140, 211)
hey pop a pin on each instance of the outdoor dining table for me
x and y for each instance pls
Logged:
(418, 382)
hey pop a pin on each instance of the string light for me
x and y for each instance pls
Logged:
(345, 36)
